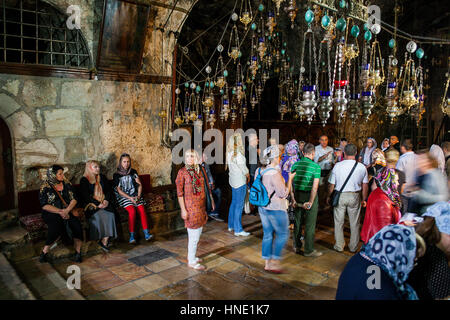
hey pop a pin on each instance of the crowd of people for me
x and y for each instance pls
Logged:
(401, 194)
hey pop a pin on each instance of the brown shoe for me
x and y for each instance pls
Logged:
(313, 254)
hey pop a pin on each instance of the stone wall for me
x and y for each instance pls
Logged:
(70, 121)
(65, 121)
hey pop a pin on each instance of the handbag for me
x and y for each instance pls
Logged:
(337, 194)
(207, 192)
(76, 212)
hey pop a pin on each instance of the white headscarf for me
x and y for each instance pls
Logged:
(437, 153)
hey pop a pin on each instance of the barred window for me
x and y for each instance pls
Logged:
(35, 32)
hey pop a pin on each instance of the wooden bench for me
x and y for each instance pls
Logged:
(30, 211)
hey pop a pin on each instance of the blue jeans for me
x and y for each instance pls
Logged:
(217, 195)
(236, 207)
(274, 221)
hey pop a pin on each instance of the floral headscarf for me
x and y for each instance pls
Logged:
(393, 249)
(440, 211)
(291, 150)
(194, 172)
(387, 180)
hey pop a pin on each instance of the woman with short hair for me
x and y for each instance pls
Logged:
(57, 201)
(128, 191)
(192, 185)
(274, 218)
(96, 199)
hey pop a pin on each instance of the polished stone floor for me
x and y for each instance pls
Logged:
(234, 269)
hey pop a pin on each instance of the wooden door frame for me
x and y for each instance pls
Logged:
(13, 162)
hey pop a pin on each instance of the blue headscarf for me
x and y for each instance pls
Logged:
(393, 249)
(440, 211)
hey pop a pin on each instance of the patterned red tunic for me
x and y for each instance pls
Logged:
(195, 204)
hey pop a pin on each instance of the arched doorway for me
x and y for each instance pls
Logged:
(6, 168)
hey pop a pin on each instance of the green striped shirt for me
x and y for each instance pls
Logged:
(307, 170)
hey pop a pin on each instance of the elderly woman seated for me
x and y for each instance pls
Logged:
(96, 198)
(57, 202)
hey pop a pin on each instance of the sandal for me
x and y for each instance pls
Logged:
(197, 266)
(198, 259)
(276, 271)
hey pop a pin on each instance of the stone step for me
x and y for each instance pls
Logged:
(11, 286)
(13, 236)
(45, 282)
(8, 219)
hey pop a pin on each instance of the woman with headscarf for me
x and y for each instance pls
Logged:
(128, 191)
(383, 204)
(290, 156)
(274, 218)
(431, 277)
(377, 165)
(192, 185)
(380, 270)
(366, 153)
(238, 178)
(96, 198)
(385, 145)
(437, 153)
(57, 201)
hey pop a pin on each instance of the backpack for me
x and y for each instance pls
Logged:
(258, 194)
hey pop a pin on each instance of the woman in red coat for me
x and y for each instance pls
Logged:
(383, 205)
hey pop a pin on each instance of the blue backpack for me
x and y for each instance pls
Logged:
(258, 194)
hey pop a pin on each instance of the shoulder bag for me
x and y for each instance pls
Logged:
(337, 194)
(77, 212)
(207, 191)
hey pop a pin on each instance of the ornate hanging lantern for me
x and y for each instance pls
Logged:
(246, 15)
(353, 108)
(392, 108)
(309, 80)
(278, 5)
(366, 104)
(325, 106)
(309, 102)
(291, 10)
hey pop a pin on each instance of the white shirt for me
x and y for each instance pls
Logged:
(327, 163)
(341, 171)
(407, 164)
(237, 170)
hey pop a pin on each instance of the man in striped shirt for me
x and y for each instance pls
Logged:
(306, 184)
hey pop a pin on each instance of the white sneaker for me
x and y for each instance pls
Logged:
(230, 230)
(242, 233)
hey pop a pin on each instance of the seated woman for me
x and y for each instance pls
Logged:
(57, 202)
(431, 277)
(128, 191)
(376, 272)
(383, 205)
(96, 199)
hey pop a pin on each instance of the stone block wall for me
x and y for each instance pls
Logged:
(67, 121)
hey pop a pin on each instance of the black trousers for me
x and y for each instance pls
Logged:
(56, 227)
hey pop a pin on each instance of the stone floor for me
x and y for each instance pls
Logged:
(234, 269)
